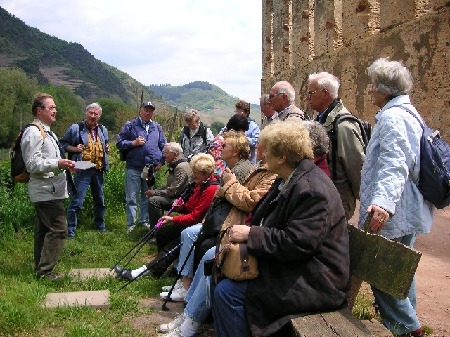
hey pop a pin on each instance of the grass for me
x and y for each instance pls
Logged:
(22, 296)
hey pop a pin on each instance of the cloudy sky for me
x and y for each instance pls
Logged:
(156, 42)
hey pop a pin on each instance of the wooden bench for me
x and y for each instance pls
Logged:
(380, 262)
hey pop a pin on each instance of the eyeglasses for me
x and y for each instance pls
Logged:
(52, 107)
(310, 93)
(278, 93)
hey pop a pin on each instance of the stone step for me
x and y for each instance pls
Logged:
(95, 299)
(84, 274)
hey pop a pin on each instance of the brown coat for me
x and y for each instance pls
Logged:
(244, 197)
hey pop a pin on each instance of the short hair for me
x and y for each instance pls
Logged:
(238, 122)
(391, 78)
(326, 81)
(38, 101)
(319, 137)
(203, 162)
(238, 142)
(284, 87)
(94, 106)
(243, 105)
(191, 115)
(174, 148)
(287, 139)
(264, 99)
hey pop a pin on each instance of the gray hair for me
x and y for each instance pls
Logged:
(319, 137)
(191, 115)
(264, 99)
(286, 88)
(326, 81)
(174, 148)
(391, 78)
(95, 106)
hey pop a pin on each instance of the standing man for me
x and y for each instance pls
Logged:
(268, 111)
(180, 173)
(47, 187)
(323, 97)
(142, 140)
(243, 107)
(282, 98)
(87, 141)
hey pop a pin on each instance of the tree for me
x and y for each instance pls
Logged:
(216, 127)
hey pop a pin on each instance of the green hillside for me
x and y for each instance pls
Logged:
(213, 103)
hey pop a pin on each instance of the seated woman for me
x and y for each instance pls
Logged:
(299, 236)
(241, 194)
(191, 212)
(195, 137)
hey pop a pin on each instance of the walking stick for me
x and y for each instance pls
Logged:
(141, 242)
(166, 299)
(168, 254)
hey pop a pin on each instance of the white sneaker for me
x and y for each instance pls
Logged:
(172, 325)
(146, 225)
(130, 229)
(177, 295)
(179, 284)
(173, 333)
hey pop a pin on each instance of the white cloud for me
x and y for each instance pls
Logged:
(174, 42)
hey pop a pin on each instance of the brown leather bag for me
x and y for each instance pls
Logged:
(232, 260)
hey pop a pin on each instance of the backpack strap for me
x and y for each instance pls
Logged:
(39, 126)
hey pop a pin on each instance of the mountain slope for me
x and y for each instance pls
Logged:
(213, 103)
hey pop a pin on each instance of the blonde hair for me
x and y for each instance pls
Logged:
(203, 162)
(238, 142)
(287, 139)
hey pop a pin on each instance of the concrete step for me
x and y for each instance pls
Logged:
(95, 299)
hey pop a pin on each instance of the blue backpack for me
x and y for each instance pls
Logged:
(434, 175)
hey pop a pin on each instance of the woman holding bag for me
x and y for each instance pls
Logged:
(299, 237)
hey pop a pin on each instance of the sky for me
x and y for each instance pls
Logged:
(161, 41)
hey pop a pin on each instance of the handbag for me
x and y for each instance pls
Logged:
(215, 217)
(232, 260)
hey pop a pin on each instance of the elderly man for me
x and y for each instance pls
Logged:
(142, 140)
(47, 187)
(268, 111)
(282, 98)
(87, 141)
(180, 173)
(323, 97)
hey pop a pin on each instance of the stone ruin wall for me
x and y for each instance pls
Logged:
(344, 37)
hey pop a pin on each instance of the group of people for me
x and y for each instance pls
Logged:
(289, 208)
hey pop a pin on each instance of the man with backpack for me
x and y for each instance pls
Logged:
(47, 187)
(347, 138)
(87, 141)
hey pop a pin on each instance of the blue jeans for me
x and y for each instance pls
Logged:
(197, 298)
(84, 179)
(399, 316)
(228, 307)
(188, 237)
(135, 186)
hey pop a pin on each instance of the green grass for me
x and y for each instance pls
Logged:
(22, 296)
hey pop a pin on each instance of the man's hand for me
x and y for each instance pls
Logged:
(139, 141)
(66, 164)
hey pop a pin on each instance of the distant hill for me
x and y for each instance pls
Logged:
(54, 61)
(213, 103)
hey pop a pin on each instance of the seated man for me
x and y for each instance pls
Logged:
(191, 211)
(179, 175)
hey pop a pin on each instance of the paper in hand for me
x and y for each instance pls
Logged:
(83, 165)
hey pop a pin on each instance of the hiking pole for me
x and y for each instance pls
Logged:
(174, 250)
(166, 299)
(141, 242)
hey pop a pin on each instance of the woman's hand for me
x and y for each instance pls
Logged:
(227, 175)
(380, 217)
(166, 219)
(239, 233)
(178, 203)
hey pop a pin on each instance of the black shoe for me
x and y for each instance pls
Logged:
(51, 276)
(118, 269)
(123, 273)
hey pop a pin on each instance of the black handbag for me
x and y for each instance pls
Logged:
(215, 217)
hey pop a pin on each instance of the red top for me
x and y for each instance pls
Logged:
(195, 208)
(321, 162)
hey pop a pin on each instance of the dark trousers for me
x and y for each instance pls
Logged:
(50, 232)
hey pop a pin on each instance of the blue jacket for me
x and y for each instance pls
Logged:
(149, 153)
(76, 135)
(391, 171)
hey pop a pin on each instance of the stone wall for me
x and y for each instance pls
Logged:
(345, 36)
